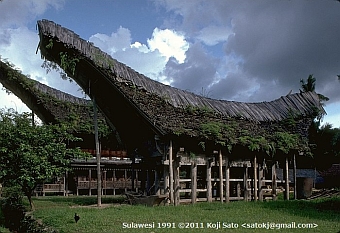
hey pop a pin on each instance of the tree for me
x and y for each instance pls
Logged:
(327, 150)
(309, 85)
(31, 153)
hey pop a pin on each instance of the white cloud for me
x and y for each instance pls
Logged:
(169, 43)
(120, 40)
(149, 59)
(18, 12)
(213, 35)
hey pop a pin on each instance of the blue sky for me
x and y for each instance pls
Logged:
(243, 50)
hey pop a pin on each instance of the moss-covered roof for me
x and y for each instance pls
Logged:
(49, 104)
(140, 107)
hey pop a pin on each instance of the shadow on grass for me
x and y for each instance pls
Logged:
(323, 209)
(81, 200)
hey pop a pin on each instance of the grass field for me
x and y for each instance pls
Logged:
(58, 212)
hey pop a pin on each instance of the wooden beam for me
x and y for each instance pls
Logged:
(227, 180)
(171, 174)
(193, 182)
(221, 175)
(255, 179)
(209, 186)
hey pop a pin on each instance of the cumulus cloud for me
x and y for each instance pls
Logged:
(169, 43)
(149, 59)
(18, 12)
(196, 72)
(274, 43)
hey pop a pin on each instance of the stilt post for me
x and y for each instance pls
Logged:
(193, 182)
(255, 179)
(221, 175)
(171, 174)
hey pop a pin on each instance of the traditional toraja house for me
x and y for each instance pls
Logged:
(53, 106)
(191, 146)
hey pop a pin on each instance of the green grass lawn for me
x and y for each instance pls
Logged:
(58, 212)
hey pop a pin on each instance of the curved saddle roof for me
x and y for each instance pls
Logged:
(140, 107)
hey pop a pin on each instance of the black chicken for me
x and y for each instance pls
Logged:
(76, 217)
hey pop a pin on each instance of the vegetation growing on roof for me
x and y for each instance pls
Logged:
(68, 63)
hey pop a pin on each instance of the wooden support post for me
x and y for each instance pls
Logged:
(286, 180)
(255, 179)
(193, 182)
(125, 178)
(66, 183)
(294, 177)
(245, 183)
(260, 183)
(96, 138)
(274, 184)
(114, 181)
(104, 188)
(166, 180)
(176, 182)
(220, 161)
(90, 178)
(227, 180)
(209, 186)
(171, 174)
(157, 190)
(136, 173)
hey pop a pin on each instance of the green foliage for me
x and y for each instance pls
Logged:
(286, 141)
(102, 60)
(50, 44)
(290, 120)
(204, 110)
(68, 63)
(31, 154)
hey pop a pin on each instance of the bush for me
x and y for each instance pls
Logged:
(12, 214)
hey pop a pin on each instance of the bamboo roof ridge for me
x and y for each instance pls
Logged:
(302, 104)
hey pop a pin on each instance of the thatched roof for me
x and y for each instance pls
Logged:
(151, 107)
(49, 104)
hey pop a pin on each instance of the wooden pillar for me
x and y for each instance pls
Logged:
(176, 182)
(227, 180)
(193, 182)
(260, 183)
(157, 190)
(209, 186)
(166, 180)
(105, 188)
(220, 161)
(137, 180)
(171, 174)
(255, 179)
(114, 181)
(294, 177)
(96, 138)
(66, 183)
(286, 179)
(245, 183)
(125, 178)
(90, 178)
(274, 184)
